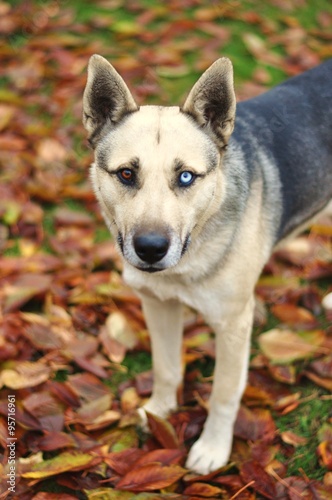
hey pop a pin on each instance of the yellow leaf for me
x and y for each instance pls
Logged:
(62, 463)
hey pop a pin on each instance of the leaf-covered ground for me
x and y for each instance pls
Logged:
(74, 348)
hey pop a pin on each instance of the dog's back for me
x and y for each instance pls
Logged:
(292, 123)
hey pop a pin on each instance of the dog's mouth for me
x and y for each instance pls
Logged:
(185, 245)
(150, 269)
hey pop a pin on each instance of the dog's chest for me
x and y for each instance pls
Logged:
(165, 288)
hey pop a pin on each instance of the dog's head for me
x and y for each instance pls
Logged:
(157, 171)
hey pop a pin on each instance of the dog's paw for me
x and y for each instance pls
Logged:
(205, 457)
(154, 407)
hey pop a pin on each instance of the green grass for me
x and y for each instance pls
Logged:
(134, 363)
(305, 421)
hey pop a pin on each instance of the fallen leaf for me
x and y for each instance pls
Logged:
(290, 437)
(151, 477)
(293, 315)
(263, 483)
(122, 461)
(163, 431)
(56, 440)
(24, 288)
(64, 462)
(324, 451)
(255, 424)
(202, 490)
(286, 346)
(25, 374)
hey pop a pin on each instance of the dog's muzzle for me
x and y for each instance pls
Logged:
(151, 247)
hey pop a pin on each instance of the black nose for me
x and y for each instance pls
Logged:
(151, 247)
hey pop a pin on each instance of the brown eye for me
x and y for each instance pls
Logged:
(126, 176)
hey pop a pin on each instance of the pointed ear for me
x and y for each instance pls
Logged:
(106, 98)
(212, 102)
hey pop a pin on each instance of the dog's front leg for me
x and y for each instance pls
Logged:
(213, 448)
(165, 323)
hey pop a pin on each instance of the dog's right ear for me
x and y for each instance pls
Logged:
(106, 98)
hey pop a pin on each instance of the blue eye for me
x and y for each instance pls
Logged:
(186, 178)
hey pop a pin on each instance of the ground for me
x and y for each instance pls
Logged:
(74, 349)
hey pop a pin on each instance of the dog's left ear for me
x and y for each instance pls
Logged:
(212, 101)
(106, 99)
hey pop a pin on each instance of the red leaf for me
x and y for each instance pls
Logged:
(24, 288)
(55, 440)
(122, 461)
(254, 424)
(151, 477)
(264, 484)
(164, 457)
(163, 431)
(64, 393)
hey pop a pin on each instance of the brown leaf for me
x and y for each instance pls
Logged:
(64, 393)
(103, 420)
(263, 453)
(56, 440)
(43, 336)
(202, 490)
(87, 386)
(122, 461)
(47, 409)
(264, 484)
(163, 456)
(25, 374)
(114, 349)
(254, 424)
(325, 382)
(293, 315)
(283, 373)
(24, 288)
(93, 409)
(151, 477)
(163, 431)
(286, 346)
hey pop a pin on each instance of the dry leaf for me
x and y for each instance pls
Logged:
(286, 346)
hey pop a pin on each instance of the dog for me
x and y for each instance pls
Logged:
(197, 197)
